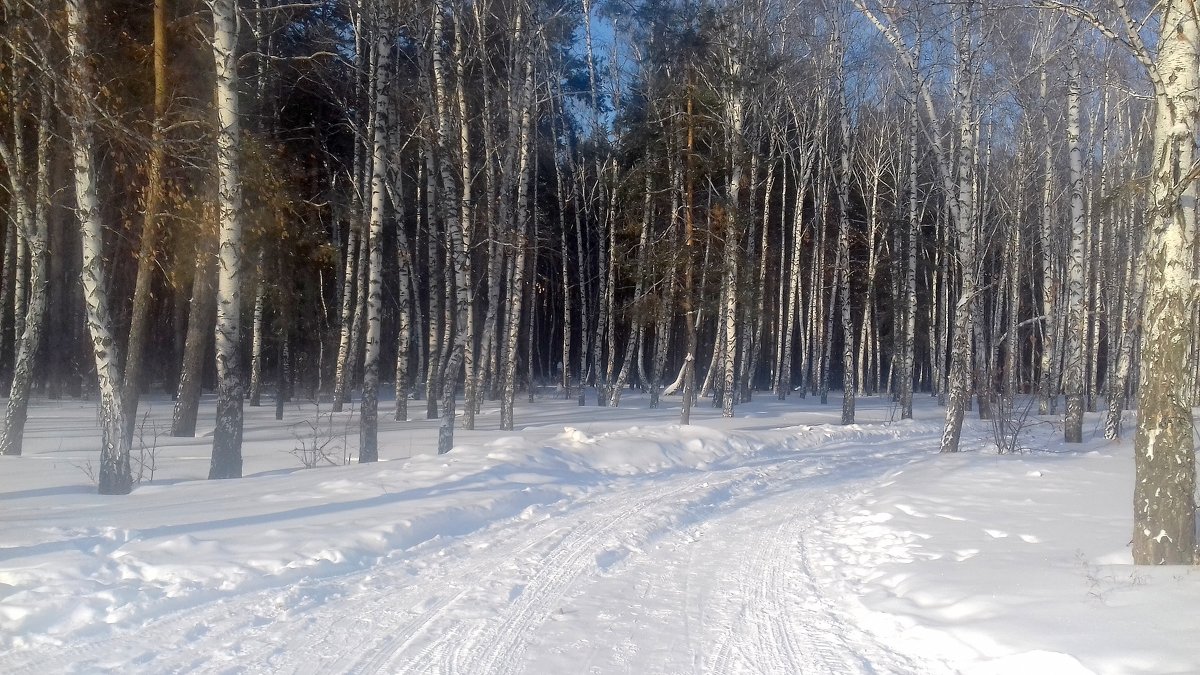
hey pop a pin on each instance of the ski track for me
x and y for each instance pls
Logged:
(425, 611)
(497, 646)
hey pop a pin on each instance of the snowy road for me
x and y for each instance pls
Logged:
(595, 540)
(679, 571)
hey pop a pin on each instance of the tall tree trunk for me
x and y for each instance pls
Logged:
(459, 302)
(434, 256)
(794, 279)
(1048, 394)
(368, 438)
(115, 476)
(842, 284)
(405, 295)
(516, 292)
(467, 218)
(191, 370)
(913, 233)
(227, 436)
(636, 331)
(1164, 529)
(36, 232)
(689, 291)
(1076, 309)
(1133, 288)
(8, 272)
(342, 369)
(155, 191)
(964, 230)
(256, 338)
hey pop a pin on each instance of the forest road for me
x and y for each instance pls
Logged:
(683, 571)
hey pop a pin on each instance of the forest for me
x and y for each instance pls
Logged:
(989, 202)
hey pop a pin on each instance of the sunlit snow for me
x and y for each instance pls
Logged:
(590, 540)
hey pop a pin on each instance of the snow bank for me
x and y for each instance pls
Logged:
(1015, 564)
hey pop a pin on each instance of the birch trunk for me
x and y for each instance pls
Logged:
(794, 277)
(516, 293)
(36, 232)
(227, 436)
(368, 437)
(1131, 316)
(843, 252)
(359, 320)
(459, 302)
(8, 273)
(467, 218)
(115, 476)
(689, 291)
(256, 339)
(433, 366)
(636, 331)
(913, 233)
(1048, 395)
(560, 193)
(1164, 461)
(486, 370)
(758, 320)
(1076, 309)
(346, 331)
(964, 230)
(662, 326)
(405, 294)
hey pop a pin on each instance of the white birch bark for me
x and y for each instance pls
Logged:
(842, 264)
(690, 312)
(36, 232)
(913, 232)
(1131, 311)
(434, 257)
(794, 277)
(964, 230)
(1164, 458)
(256, 339)
(227, 436)
(406, 291)
(1076, 309)
(346, 318)
(458, 302)
(756, 317)
(467, 218)
(368, 437)
(114, 476)
(560, 194)
(516, 293)
(1048, 394)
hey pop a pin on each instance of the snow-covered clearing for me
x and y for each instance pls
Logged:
(592, 540)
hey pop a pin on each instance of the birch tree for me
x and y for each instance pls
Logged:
(227, 436)
(114, 476)
(1073, 371)
(32, 219)
(368, 442)
(1164, 528)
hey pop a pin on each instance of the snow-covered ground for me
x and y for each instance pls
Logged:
(591, 540)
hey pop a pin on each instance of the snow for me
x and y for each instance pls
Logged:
(593, 540)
